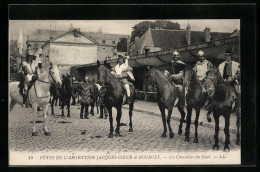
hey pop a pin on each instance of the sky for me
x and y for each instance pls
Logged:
(112, 26)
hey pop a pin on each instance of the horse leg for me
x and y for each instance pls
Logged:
(45, 128)
(68, 107)
(111, 122)
(52, 109)
(196, 123)
(169, 122)
(62, 109)
(86, 111)
(182, 119)
(131, 107)
(92, 109)
(187, 129)
(50, 100)
(11, 105)
(118, 118)
(216, 118)
(56, 100)
(97, 108)
(34, 108)
(162, 109)
(226, 130)
(238, 112)
(101, 111)
(105, 112)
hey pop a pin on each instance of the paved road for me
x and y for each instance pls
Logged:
(66, 134)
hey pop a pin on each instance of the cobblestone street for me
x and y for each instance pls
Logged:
(66, 134)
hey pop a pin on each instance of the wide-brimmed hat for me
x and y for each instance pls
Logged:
(229, 51)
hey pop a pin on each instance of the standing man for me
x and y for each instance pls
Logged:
(29, 73)
(178, 68)
(124, 73)
(86, 92)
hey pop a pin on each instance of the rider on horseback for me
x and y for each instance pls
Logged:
(123, 72)
(178, 68)
(29, 73)
(230, 71)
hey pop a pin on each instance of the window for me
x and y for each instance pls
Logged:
(113, 42)
(103, 41)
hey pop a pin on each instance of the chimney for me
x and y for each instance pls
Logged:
(207, 34)
(188, 34)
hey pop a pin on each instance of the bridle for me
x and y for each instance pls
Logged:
(55, 82)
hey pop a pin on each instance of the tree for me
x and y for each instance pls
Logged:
(140, 28)
(122, 45)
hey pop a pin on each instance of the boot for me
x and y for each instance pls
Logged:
(86, 115)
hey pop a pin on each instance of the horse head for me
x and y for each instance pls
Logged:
(188, 75)
(212, 79)
(156, 76)
(66, 81)
(104, 74)
(55, 74)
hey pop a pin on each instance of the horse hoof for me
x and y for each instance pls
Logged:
(195, 140)
(180, 132)
(68, 116)
(105, 117)
(62, 116)
(226, 149)
(187, 139)
(215, 147)
(34, 134)
(118, 135)
(163, 135)
(209, 119)
(238, 142)
(53, 114)
(47, 133)
(100, 117)
(110, 135)
(171, 135)
(130, 130)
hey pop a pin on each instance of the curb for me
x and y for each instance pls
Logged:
(209, 125)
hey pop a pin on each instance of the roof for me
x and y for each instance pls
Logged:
(235, 33)
(44, 35)
(167, 39)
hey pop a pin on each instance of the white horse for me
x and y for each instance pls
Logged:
(38, 95)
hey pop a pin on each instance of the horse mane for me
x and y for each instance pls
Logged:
(220, 92)
(161, 75)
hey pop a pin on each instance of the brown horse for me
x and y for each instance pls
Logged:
(114, 96)
(194, 99)
(166, 97)
(223, 98)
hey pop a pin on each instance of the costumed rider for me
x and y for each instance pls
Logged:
(30, 72)
(86, 92)
(230, 71)
(201, 68)
(178, 68)
(123, 72)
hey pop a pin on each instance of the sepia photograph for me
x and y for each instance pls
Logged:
(124, 92)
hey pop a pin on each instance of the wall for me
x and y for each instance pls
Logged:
(73, 54)
(104, 51)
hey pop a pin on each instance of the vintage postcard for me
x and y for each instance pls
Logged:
(124, 92)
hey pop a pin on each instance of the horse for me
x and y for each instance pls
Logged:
(65, 94)
(223, 98)
(114, 96)
(166, 97)
(100, 106)
(38, 95)
(55, 94)
(195, 98)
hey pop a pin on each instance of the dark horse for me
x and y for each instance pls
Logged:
(62, 93)
(96, 101)
(55, 94)
(223, 97)
(115, 96)
(65, 94)
(166, 97)
(194, 99)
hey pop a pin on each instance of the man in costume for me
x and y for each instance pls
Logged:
(178, 68)
(123, 72)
